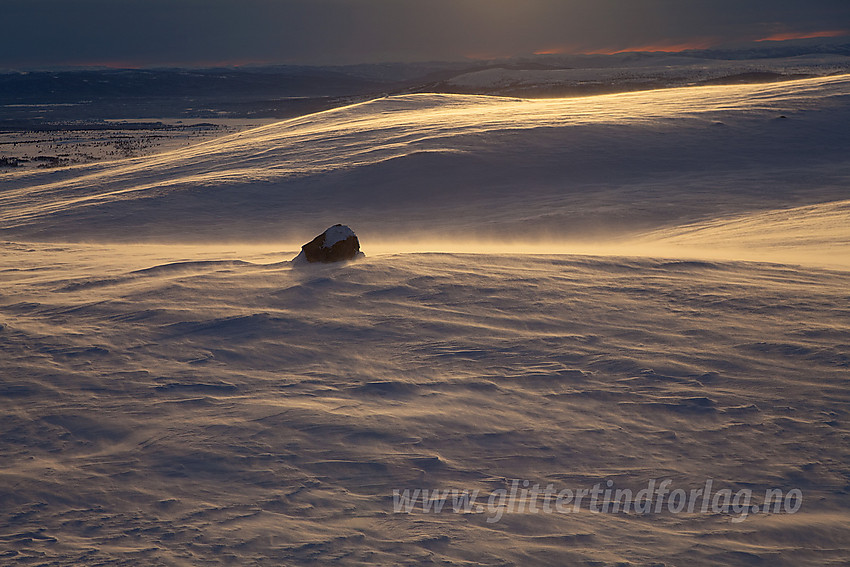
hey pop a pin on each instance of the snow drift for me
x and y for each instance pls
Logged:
(186, 404)
(420, 166)
(234, 409)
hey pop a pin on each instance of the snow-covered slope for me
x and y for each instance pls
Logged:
(817, 233)
(175, 404)
(468, 166)
(660, 71)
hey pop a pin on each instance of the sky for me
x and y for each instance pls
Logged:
(140, 33)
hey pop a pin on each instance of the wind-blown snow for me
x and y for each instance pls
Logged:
(818, 234)
(466, 166)
(186, 405)
(232, 409)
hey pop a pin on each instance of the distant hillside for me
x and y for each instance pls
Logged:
(289, 91)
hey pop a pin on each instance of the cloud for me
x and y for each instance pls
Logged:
(665, 47)
(187, 32)
(785, 36)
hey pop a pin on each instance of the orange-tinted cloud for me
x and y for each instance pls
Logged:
(658, 47)
(552, 51)
(678, 47)
(559, 50)
(810, 35)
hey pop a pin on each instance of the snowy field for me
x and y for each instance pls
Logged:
(639, 288)
(419, 167)
(641, 71)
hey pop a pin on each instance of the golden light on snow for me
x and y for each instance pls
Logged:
(546, 297)
(385, 130)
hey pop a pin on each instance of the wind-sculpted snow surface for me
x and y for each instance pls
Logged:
(159, 411)
(465, 166)
(814, 234)
(177, 404)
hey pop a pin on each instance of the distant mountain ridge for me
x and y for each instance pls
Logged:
(287, 91)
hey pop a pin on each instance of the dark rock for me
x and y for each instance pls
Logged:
(336, 244)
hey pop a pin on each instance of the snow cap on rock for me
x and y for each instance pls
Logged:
(336, 244)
